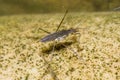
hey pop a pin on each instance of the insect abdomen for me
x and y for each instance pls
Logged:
(56, 35)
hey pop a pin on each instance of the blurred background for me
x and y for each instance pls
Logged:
(51, 6)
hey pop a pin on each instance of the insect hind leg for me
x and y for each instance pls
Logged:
(75, 52)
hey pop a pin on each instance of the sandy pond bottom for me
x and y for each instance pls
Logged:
(22, 55)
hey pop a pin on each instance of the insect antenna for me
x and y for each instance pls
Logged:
(62, 20)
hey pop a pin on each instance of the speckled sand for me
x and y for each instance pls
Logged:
(21, 55)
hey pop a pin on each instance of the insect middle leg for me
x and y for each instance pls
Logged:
(52, 53)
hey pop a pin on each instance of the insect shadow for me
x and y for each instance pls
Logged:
(57, 47)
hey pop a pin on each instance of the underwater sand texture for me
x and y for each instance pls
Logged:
(21, 53)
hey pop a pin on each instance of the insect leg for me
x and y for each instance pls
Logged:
(76, 53)
(51, 57)
(78, 39)
(44, 30)
(53, 49)
(50, 68)
(62, 20)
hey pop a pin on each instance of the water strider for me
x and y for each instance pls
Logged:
(58, 35)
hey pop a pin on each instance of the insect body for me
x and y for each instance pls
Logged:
(57, 35)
